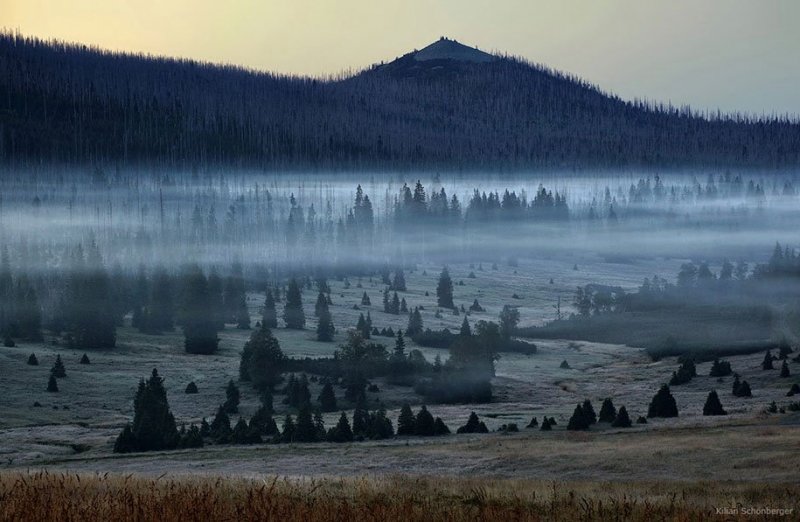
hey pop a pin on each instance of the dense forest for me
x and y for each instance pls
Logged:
(69, 104)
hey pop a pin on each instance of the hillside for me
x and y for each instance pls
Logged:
(447, 106)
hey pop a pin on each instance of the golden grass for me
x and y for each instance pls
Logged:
(44, 496)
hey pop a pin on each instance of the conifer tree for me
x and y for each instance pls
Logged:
(415, 324)
(395, 304)
(360, 420)
(767, 364)
(262, 360)
(465, 331)
(153, 425)
(270, 317)
(85, 359)
(293, 314)
(288, 431)
(197, 315)
(622, 420)
(191, 388)
(321, 304)
(325, 328)
(32, 360)
(342, 431)
(588, 411)
(305, 430)
(439, 427)
(473, 425)
(546, 425)
(424, 424)
(663, 404)
(406, 421)
(365, 300)
(327, 398)
(232, 398)
(399, 283)
(52, 384)
(579, 420)
(785, 370)
(58, 369)
(444, 290)
(713, 406)
(607, 411)
(215, 300)
(534, 423)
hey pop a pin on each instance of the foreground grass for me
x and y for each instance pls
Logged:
(44, 496)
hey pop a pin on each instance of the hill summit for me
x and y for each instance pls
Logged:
(446, 49)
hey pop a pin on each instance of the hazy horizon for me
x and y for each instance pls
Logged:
(727, 55)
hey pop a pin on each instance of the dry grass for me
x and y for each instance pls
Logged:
(44, 496)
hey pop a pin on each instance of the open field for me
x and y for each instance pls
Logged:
(45, 497)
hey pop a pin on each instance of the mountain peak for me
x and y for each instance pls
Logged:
(447, 49)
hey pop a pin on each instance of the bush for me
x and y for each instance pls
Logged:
(794, 390)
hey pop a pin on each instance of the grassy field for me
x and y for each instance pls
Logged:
(44, 497)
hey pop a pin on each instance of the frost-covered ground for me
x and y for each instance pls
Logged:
(76, 426)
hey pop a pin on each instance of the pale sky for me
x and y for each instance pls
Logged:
(729, 54)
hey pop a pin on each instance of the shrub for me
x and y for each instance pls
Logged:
(794, 390)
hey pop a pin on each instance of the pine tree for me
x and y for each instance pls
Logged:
(588, 411)
(465, 331)
(365, 300)
(85, 359)
(262, 360)
(197, 315)
(288, 431)
(320, 305)
(153, 425)
(444, 290)
(415, 325)
(293, 314)
(473, 425)
(607, 411)
(439, 427)
(327, 398)
(406, 421)
(270, 316)
(342, 431)
(395, 304)
(767, 364)
(622, 420)
(52, 384)
(232, 398)
(579, 420)
(58, 369)
(305, 430)
(712, 405)
(663, 404)
(424, 424)
(399, 283)
(325, 328)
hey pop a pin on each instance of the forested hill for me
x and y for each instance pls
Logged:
(447, 106)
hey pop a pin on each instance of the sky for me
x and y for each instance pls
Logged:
(731, 55)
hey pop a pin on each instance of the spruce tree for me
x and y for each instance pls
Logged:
(444, 290)
(262, 360)
(465, 331)
(269, 318)
(424, 424)
(579, 420)
(607, 411)
(743, 390)
(58, 369)
(785, 370)
(320, 305)
(546, 425)
(395, 304)
(360, 420)
(399, 283)
(663, 404)
(288, 431)
(622, 420)
(232, 398)
(220, 427)
(588, 411)
(794, 390)
(305, 430)
(191, 388)
(415, 324)
(325, 328)
(85, 359)
(293, 314)
(767, 364)
(342, 431)
(406, 421)
(713, 406)
(365, 300)
(327, 398)
(52, 384)
(197, 315)
(153, 425)
(32, 360)
(439, 427)
(473, 425)
(534, 423)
